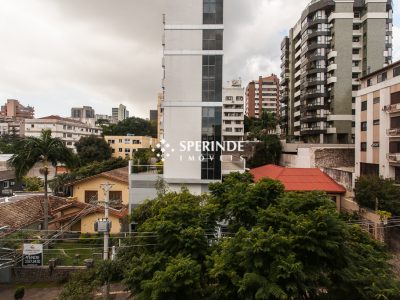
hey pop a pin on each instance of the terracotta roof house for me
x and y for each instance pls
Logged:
(302, 180)
(89, 189)
(83, 216)
(26, 213)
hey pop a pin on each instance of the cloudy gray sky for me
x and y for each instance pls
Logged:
(56, 54)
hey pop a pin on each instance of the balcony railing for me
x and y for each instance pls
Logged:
(393, 158)
(394, 108)
(393, 132)
(147, 169)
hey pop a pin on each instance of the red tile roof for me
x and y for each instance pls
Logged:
(120, 174)
(298, 179)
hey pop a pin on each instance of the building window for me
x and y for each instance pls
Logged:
(213, 12)
(363, 126)
(212, 39)
(363, 147)
(211, 132)
(127, 150)
(212, 78)
(91, 196)
(6, 184)
(375, 145)
(120, 150)
(376, 122)
(369, 82)
(382, 77)
(377, 100)
(115, 196)
(396, 72)
(369, 169)
(364, 105)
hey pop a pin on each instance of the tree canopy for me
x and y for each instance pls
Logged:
(136, 126)
(277, 245)
(378, 193)
(92, 148)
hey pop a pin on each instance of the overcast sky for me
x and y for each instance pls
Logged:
(56, 54)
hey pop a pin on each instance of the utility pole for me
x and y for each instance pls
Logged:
(106, 187)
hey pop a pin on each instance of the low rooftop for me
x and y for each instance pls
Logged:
(299, 179)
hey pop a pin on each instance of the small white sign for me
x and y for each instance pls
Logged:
(32, 255)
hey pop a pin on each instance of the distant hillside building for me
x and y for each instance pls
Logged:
(153, 115)
(120, 113)
(262, 94)
(69, 130)
(13, 109)
(85, 114)
(233, 111)
(125, 146)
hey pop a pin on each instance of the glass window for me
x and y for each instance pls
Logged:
(376, 122)
(363, 147)
(377, 100)
(396, 72)
(363, 126)
(382, 77)
(212, 39)
(213, 12)
(364, 105)
(369, 82)
(212, 78)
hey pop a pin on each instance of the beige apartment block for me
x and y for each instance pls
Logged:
(125, 146)
(377, 128)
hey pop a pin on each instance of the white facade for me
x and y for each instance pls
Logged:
(68, 130)
(377, 131)
(233, 112)
(120, 113)
(184, 104)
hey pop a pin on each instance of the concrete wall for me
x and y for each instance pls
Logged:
(43, 274)
(342, 177)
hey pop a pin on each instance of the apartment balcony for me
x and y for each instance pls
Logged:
(393, 158)
(297, 104)
(297, 133)
(356, 70)
(332, 67)
(297, 123)
(313, 94)
(331, 79)
(297, 44)
(357, 45)
(147, 169)
(297, 74)
(332, 54)
(331, 130)
(391, 109)
(310, 83)
(297, 94)
(297, 113)
(313, 118)
(313, 130)
(313, 106)
(357, 33)
(393, 132)
(356, 57)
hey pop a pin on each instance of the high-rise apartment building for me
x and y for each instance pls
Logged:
(334, 43)
(233, 111)
(153, 115)
(120, 113)
(13, 109)
(378, 124)
(262, 95)
(193, 59)
(85, 114)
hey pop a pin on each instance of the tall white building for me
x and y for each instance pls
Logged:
(68, 130)
(193, 58)
(233, 112)
(120, 113)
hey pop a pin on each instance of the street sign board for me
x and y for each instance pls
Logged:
(32, 255)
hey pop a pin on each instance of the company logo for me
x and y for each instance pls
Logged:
(165, 150)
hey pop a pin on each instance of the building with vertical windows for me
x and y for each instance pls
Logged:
(378, 124)
(125, 146)
(262, 95)
(193, 58)
(85, 114)
(233, 111)
(160, 116)
(331, 46)
(119, 113)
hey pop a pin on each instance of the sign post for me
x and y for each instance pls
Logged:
(32, 255)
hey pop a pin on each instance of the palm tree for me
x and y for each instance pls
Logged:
(44, 149)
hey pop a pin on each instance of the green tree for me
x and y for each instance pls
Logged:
(44, 149)
(278, 246)
(136, 126)
(7, 143)
(261, 127)
(92, 148)
(377, 193)
(267, 151)
(33, 184)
